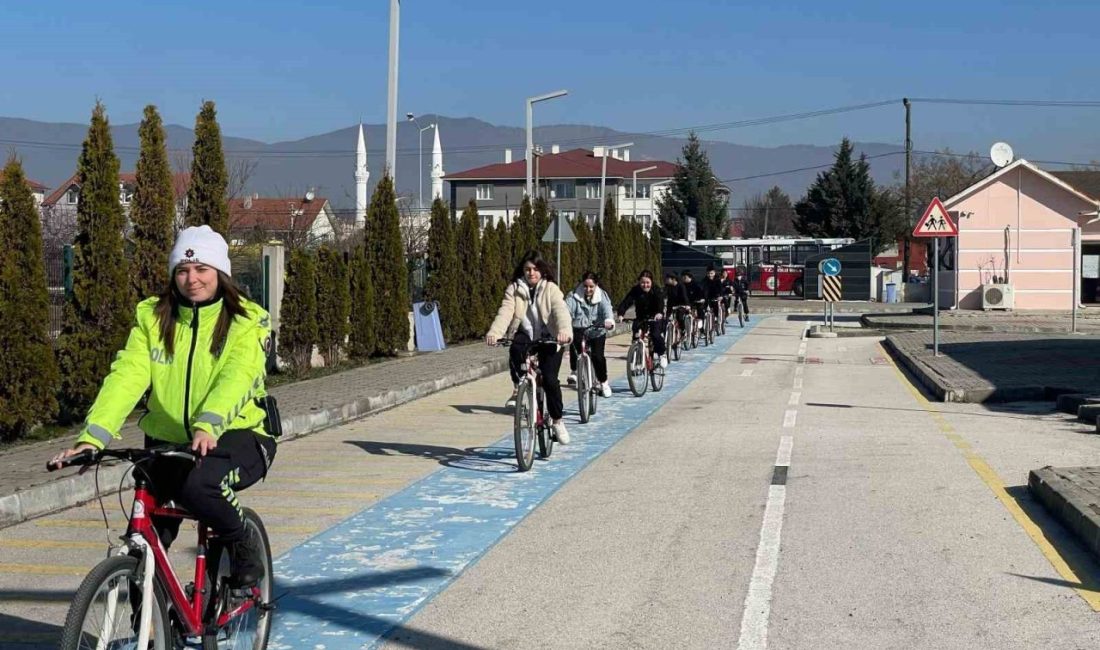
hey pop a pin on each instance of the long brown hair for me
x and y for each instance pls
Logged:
(168, 310)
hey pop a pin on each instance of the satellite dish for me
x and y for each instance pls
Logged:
(309, 196)
(1000, 153)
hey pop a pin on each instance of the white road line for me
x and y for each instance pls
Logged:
(798, 371)
(789, 418)
(758, 602)
(802, 349)
(842, 349)
(798, 383)
(747, 372)
(795, 396)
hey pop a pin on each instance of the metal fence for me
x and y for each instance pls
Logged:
(59, 265)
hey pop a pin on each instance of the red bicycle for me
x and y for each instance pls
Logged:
(134, 599)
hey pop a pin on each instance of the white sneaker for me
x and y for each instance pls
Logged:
(560, 432)
(511, 403)
(663, 360)
(605, 389)
(572, 379)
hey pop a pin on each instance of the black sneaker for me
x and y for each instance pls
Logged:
(246, 561)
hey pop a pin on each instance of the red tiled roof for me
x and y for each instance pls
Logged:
(34, 185)
(575, 163)
(274, 213)
(180, 182)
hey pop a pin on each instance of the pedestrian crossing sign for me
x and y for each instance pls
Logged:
(936, 222)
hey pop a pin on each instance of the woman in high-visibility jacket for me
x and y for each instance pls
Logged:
(200, 350)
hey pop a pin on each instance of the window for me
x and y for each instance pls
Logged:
(487, 221)
(592, 219)
(72, 195)
(568, 214)
(592, 191)
(485, 192)
(563, 190)
(643, 190)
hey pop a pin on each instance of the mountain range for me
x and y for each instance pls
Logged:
(326, 162)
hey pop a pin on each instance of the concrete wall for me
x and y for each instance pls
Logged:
(1023, 221)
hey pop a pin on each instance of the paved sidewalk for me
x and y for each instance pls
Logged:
(1088, 322)
(1072, 495)
(27, 490)
(999, 366)
(761, 304)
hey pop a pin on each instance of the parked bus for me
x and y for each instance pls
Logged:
(774, 265)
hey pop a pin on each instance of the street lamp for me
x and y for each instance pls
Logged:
(603, 173)
(634, 209)
(530, 138)
(420, 158)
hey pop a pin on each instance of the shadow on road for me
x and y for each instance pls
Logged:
(25, 634)
(1006, 416)
(473, 409)
(1083, 565)
(479, 459)
(306, 599)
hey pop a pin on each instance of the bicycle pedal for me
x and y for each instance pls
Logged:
(266, 607)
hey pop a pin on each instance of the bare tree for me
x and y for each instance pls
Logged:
(415, 225)
(768, 214)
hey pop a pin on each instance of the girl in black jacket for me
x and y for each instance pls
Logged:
(648, 304)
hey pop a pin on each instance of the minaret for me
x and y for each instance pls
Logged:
(361, 178)
(437, 166)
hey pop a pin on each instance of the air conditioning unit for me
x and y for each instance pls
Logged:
(998, 296)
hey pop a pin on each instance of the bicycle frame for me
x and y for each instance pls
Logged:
(141, 534)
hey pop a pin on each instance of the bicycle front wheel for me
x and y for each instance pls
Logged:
(584, 388)
(711, 325)
(250, 630)
(524, 426)
(740, 313)
(106, 610)
(635, 368)
(546, 435)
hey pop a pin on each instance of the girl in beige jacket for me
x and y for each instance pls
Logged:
(534, 309)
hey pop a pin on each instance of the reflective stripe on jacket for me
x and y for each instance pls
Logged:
(191, 389)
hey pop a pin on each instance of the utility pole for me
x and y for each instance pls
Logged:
(908, 214)
(767, 209)
(391, 111)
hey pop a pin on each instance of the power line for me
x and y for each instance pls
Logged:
(1084, 103)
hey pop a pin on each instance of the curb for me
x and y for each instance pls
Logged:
(924, 374)
(73, 490)
(872, 320)
(1059, 498)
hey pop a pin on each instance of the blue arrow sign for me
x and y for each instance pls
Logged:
(830, 266)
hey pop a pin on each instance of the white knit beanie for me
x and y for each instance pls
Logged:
(200, 245)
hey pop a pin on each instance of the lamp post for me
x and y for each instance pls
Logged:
(603, 173)
(531, 101)
(634, 209)
(391, 100)
(420, 158)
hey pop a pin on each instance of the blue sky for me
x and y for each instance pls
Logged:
(280, 70)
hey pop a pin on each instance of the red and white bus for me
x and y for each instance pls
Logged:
(774, 265)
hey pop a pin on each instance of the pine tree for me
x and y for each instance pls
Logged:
(693, 192)
(206, 197)
(469, 259)
(391, 273)
(298, 326)
(333, 303)
(27, 365)
(442, 285)
(523, 230)
(100, 310)
(362, 342)
(488, 280)
(153, 209)
(844, 202)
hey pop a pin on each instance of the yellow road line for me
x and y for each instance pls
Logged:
(997, 486)
(45, 569)
(292, 529)
(49, 543)
(289, 510)
(20, 638)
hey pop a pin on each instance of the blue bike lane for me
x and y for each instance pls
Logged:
(352, 584)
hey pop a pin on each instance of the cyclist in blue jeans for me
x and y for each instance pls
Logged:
(648, 304)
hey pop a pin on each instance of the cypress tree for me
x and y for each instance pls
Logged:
(99, 312)
(489, 280)
(29, 370)
(391, 274)
(540, 219)
(472, 301)
(655, 251)
(586, 248)
(599, 252)
(206, 197)
(442, 285)
(153, 209)
(333, 303)
(523, 230)
(298, 329)
(507, 264)
(361, 336)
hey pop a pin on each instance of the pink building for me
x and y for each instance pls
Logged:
(1017, 242)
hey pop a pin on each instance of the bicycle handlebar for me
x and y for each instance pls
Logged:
(93, 457)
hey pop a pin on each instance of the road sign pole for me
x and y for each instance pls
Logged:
(557, 245)
(936, 297)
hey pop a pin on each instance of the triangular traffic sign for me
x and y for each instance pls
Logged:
(936, 222)
(566, 233)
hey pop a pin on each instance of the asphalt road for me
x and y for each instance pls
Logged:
(887, 525)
